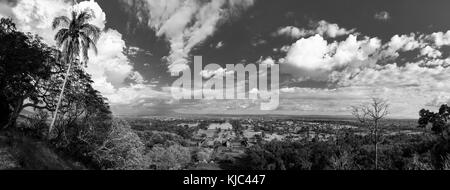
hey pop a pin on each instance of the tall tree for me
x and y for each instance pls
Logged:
(370, 115)
(26, 63)
(440, 126)
(440, 121)
(74, 38)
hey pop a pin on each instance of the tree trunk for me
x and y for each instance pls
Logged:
(5, 112)
(14, 114)
(376, 145)
(55, 115)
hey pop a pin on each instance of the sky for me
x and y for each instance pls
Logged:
(332, 54)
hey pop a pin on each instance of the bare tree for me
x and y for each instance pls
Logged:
(370, 115)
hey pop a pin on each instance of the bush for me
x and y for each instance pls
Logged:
(417, 163)
(343, 161)
(122, 148)
(175, 157)
(153, 138)
(203, 155)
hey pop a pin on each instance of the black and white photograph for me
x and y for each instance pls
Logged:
(224, 85)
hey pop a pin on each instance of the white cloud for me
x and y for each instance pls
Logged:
(99, 16)
(440, 38)
(217, 73)
(110, 68)
(36, 16)
(401, 43)
(392, 75)
(331, 30)
(313, 58)
(219, 45)
(410, 87)
(292, 32)
(287, 90)
(383, 16)
(351, 66)
(308, 57)
(430, 52)
(186, 23)
(5, 9)
(110, 64)
(440, 99)
(268, 61)
(322, 28)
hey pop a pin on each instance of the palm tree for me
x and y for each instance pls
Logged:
(74, 38)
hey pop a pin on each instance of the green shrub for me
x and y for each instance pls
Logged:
(175, 157)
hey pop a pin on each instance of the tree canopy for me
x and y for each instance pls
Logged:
(25, 64)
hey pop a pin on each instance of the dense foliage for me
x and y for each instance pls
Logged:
(25, 70)
(352, 153)
(30, 76)
(440, 126)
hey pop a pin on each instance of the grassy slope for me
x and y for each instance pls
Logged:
(22, 152)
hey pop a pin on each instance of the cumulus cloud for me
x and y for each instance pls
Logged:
(110, 68)
(36, 16)
(331, 30)
(220, 72)
(292, 32)
(392, 75)
(440, 38)
(439, 100)
(187, 23)
(322, 28)
(430, 52)
(268, 61)
(402, 43)
(357, 69)
(351, 64)
(219, 45)
(411, 84)
(110, 65)
(314, 58)
(308, 57)
(383, 16)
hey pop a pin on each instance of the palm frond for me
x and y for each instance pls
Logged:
(87, 43)
(61, 21)
(61, 36)
(91, 30)
(73, 22)
(65, 50)
(84, 17)
(74, 16)
(75, 50)
(85, 52)
(79, 36)
(90, 43)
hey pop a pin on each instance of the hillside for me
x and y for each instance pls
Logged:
(19, 152)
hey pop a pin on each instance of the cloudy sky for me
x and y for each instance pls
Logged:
(332, 54)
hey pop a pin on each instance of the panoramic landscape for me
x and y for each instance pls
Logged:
(224, 85)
